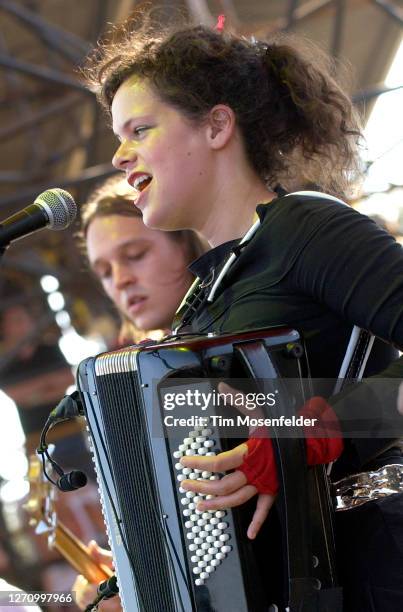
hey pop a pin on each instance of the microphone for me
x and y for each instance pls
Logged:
(68, 408)
(72, 481)
(54, 208)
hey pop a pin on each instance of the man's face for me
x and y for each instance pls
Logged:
(142, 270)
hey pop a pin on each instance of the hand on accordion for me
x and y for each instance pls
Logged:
(254, 465)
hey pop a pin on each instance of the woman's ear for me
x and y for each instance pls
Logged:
(220, 126)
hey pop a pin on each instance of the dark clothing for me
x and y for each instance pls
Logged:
(320, 267)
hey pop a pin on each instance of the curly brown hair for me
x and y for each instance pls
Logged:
(297, 124)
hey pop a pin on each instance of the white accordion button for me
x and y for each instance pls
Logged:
(204, 530)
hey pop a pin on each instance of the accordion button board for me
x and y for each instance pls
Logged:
(169, 556)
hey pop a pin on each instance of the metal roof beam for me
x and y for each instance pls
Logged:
(66, 43)
(338, 27)
(374, 92)
(40, 72)
(292, 7)
(53, 109)
(94, 173)
(391, 10)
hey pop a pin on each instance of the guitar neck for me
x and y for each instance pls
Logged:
(77, 554)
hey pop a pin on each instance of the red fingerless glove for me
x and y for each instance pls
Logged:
(321, 449)
(259, 464)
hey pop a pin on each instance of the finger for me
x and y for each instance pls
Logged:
(237, 498)
(226, 485)
(101, 555)
(263, 506)
(84, 592)
(222, 462)
(111, 605)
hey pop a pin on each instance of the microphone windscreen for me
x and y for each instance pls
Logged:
(72, 481)
(59, 206)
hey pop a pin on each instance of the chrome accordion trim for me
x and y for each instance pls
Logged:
(359, 489)
(116, 362)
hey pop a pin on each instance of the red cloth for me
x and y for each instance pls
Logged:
(259, 463)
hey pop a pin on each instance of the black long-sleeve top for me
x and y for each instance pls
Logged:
(320, 267)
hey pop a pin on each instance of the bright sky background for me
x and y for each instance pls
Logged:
(384, 134)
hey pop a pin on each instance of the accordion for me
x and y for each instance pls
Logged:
(169, 556)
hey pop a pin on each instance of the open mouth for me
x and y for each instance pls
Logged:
(136, 300)
(135, 303)
(142, 182)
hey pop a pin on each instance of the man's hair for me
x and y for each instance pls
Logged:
(115, 197)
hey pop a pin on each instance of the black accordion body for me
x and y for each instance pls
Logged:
(169, 557)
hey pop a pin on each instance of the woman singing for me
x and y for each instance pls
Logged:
(214, 131)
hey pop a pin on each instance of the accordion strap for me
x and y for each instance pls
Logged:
(356, 357)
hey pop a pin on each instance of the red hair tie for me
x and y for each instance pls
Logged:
(220, 23)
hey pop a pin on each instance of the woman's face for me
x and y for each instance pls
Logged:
(164, 156)
(143, 271)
